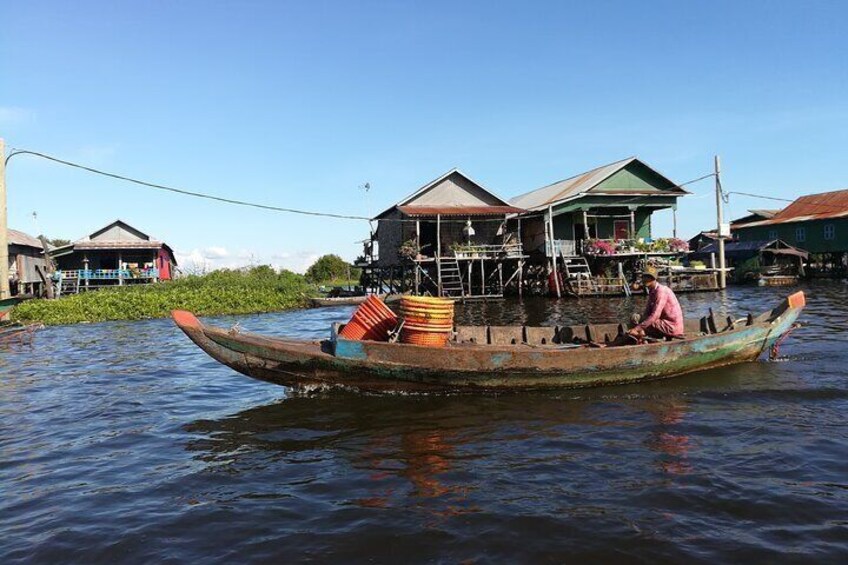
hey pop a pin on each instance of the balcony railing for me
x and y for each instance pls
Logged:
(110, 274)
(561, 247)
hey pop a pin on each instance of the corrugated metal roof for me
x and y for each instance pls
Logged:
(88, 245)
(766, 213)
(459, 210)
(819, 206)
(20, 238)
(576, 185)
(435, 182)
(749, 248)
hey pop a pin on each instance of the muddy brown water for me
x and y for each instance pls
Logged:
(123, 442)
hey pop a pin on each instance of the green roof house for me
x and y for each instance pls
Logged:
(613, 202)
(817, 223)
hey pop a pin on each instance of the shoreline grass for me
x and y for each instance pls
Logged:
(251, 291)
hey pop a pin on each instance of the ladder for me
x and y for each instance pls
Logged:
(451, 278)
(69, 286)
(578, 274)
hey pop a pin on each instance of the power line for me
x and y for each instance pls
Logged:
(182, 191)
(263, 206)
(760, 196)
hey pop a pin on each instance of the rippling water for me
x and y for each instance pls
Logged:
(124, 442)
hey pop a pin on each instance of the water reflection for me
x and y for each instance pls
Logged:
(110, 449)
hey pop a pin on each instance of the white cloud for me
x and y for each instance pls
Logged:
(214, 257)
(215, 252)
(297, 261)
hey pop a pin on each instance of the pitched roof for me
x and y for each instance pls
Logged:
(407, 205)
(579, 184)
(93, 241)
(459, 210)
(765, 212)
(737, 249)
(127, 227)
(821, 206)
(16, 237)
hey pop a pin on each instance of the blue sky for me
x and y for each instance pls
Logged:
(299, 104)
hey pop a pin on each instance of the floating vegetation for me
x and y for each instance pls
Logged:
(259, 289)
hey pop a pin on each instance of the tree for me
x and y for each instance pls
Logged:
(58, 242)
(328, 267)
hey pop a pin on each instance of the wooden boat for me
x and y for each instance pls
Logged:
(321, 302)
(494, 358)
(7, 304)
(318, 302)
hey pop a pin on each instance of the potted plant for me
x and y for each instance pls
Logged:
(408, 249)
(599, 247)
(458, 249)
(678, 245)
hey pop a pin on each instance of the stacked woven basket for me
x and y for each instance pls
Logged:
(426, 321)
(372, 321)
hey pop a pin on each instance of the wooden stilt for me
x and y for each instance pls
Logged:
(439, 253)
(553, 251)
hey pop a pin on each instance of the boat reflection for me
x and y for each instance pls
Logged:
(430, 453)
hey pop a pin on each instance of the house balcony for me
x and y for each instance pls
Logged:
(110, 274)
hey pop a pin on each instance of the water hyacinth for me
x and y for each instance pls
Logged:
(259, 289)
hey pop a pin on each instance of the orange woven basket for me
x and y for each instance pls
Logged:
(372, 321)
(427, 321)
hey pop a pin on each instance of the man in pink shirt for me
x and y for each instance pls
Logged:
(663, 316)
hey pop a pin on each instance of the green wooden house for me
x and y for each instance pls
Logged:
(612, 202)
(817, 223)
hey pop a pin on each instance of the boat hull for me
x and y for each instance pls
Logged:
(389, 367)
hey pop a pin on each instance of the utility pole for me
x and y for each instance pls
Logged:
(4, 227)
(722, 276)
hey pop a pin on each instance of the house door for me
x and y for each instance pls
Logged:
(428, 239)
(621, 229)
(580, 232)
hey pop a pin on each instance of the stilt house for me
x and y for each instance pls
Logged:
(116, 254)
(27, 264)
(614, 202)
(449, 237)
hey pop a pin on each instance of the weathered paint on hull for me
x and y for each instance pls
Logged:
(383, 367)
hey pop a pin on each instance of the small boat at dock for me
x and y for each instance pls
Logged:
(495, 358)
(323, 302)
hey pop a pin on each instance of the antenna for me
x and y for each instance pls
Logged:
(366, 188)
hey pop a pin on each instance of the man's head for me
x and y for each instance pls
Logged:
(649, 276)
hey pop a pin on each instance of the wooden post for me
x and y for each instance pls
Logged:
(500, 278)
(4, 227)
(520, 278)
(674, 221)
(554, 251)
(632, 224)
(722, 276)
(120, 272)
(520, 261)
(482, 277)
(520, 239)
(439, 253)
(586, 224)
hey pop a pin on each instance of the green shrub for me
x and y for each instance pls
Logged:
(260, 289)
(328, 267)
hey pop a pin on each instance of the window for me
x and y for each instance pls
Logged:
(830, 231)
(800, 234)
(772, 235)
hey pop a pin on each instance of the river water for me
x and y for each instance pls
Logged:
(123, 442)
